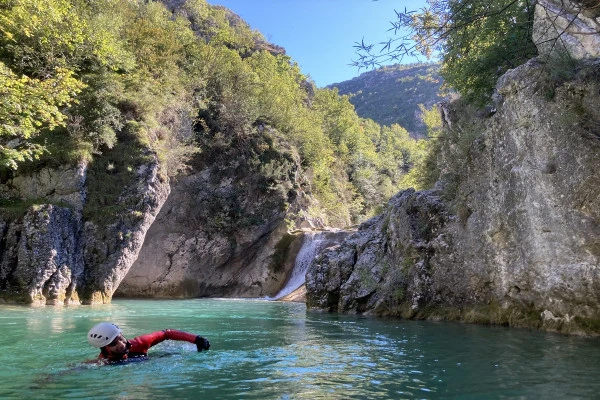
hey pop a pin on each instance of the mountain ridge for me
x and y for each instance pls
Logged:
(392, 94)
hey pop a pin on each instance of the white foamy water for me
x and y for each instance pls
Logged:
(312, 245)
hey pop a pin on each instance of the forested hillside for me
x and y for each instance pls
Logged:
(393, 94)
(105, 81)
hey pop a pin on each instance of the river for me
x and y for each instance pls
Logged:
(276, 350)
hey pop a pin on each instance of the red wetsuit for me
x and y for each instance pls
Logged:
(141, 344)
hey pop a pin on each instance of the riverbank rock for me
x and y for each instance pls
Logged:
(372, 270)
(42, 260)
(515, 240)
(57, 251)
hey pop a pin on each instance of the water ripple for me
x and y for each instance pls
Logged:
(266, 350)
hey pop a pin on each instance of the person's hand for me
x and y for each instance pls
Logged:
(202, 343)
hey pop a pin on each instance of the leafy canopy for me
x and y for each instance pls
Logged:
(37, 40)
(477, 41)
(120, 82)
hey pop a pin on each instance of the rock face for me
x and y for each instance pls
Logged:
(41, 253)
(223, 230)
(52, 255)
(183, 257)
(372, 270)
(520, 242)
(65, 184)
(42, 260)
(111, 249)
(568, 25)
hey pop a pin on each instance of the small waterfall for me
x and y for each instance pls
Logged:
(313, 243)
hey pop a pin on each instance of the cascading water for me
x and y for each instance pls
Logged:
(313, 243)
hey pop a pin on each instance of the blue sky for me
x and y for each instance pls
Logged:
(320, 34)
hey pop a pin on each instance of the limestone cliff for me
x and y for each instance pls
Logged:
(52, 254)
(223, 229)
(514, 240)
(69, 234)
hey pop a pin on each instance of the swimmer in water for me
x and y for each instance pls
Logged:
(114, 347)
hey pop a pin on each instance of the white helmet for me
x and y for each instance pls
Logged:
(103, 334)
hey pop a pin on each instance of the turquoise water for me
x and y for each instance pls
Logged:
(273, 350)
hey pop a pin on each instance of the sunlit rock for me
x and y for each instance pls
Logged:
(573, 26)
(517, 242)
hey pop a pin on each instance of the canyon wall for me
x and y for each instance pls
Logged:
(515, 238)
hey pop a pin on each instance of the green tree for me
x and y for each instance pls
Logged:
(424, 170)
(477, 41)
(27, 106)
(279, 92)
(496, 36)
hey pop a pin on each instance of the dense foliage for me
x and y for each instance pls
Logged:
(476, 40)
(392, 94)
(113, 82)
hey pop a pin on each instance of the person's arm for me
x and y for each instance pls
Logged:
(152, 339)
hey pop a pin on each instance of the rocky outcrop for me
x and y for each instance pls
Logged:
(223, 230)
(573, 26)
(41, 251)
(62, 185)
(373, 270)
(519, 242)
(50, 254)
(111, 249)
(42, 258)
